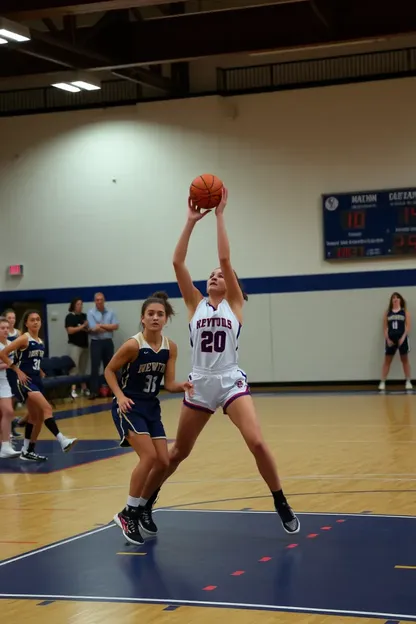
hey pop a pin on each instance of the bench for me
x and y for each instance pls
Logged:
(58, 380)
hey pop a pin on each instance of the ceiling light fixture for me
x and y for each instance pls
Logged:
(66, 87)
(76, 81)
(13, 31)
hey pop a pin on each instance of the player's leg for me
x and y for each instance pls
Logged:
(6, 418)
(191, 423)
(388, 358)
(159, 471)
(242, 414)
(33, 427)
(40, 403)
(134, 431)
(404, 357)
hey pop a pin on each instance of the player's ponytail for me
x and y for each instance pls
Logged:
(162, 298)
(243, 292)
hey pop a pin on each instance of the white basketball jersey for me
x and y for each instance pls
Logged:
(3, 374)
(214, 337)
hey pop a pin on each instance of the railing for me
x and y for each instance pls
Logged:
(230, 81)
(317, 72)
(50, 99)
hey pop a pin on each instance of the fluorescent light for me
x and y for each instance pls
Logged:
(3, 41)
(66, 87)
(12, 35)
(87, 86)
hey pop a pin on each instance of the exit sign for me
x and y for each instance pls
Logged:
(16, 270)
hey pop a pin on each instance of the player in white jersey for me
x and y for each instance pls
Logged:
(6, 405)
(215, 325)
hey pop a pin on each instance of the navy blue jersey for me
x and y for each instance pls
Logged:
(29, 359)
(141, 378)
(396, 323)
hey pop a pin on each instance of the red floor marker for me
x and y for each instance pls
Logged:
(292, 545)
(237, 573)
(209, 587)
(340, 521)
(265, 559)
(326, 528)
(312, 535)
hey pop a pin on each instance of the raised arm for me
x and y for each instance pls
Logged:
(235, 295)
(190, 294)
(126, 353)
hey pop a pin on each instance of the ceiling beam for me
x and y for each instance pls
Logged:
(65, 54)
(37, 9)
(245, 30)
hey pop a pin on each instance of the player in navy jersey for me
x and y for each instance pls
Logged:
(396, 334)
(144, 360)
(28, 351)
(215, 325)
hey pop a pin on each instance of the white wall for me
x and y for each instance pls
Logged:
(96, 198)
(301, 337)
(118, 180)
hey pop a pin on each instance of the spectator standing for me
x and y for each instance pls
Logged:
(76, 325)
(102, 324)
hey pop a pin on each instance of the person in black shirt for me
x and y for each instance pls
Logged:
(396, 334)
(76, 325)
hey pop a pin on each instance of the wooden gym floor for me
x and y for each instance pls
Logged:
(348, 467)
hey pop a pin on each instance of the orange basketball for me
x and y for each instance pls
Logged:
(206, 191)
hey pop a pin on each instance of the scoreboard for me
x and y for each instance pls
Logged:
(370, 224)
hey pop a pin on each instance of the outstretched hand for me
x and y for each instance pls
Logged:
(221, 206)
(194, 211)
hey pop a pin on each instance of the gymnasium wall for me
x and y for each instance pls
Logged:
(97, 199)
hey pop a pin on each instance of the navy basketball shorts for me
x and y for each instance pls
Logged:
(216, 390)
(143, 418)
(24, 389)
(404, 348)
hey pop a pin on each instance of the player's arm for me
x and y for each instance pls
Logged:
(386, 327)
(126, 353)
(20, 343)
(171, 385)
(190, 294)
(235, 295)
(408, 324)
(407, 327)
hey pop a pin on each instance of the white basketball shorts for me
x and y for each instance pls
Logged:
(219, 390)
(5, 390)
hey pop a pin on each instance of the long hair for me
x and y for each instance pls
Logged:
(22, 325)
(73, 303)
(402, 301)
(162, 298)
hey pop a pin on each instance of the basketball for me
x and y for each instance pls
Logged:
(206, 191)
